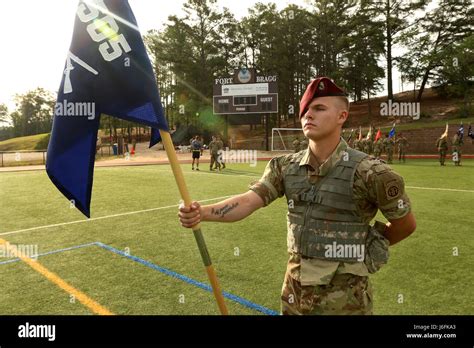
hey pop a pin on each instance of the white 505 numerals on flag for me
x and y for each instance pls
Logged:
(105, 29)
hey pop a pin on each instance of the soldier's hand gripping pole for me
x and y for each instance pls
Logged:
(178, 175)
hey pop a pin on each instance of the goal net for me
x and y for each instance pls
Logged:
(283, 138)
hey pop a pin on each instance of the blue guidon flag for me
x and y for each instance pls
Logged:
(107, 71)
(391, 134)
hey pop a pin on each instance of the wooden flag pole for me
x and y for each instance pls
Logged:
(178, 175)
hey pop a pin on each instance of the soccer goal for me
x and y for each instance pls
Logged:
(283, 138)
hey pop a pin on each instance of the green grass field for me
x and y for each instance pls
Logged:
(422, 268)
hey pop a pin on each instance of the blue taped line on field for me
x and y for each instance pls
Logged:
(51, 252)
(191, 281)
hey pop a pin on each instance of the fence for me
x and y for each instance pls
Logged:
(31, 157)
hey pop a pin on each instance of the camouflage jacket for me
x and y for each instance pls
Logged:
(376, 187)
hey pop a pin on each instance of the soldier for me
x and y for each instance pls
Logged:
(402, 146)
(367, 147)
(220, 149)
(356, 144)
(388, 145)
(457, 144)
(296, 145)
(214, 151)
(378, 148)
(442, 145)
(329, 188)
(370, 145)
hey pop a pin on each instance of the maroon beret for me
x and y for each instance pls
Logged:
(320, 87)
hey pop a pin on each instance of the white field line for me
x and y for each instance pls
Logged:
(104, 217)
(206, 200)
(258, 176)
(438, 189)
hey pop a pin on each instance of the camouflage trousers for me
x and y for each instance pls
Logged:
(215, 160)
(347, 294)
(389, 156)
(442, 156)
(456, 156)
(401, 155)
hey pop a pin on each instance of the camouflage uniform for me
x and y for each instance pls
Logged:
(361, 145)
(214, 150)
(442, 145)
(316, 285)
(388, 145)
(220, 148)
(402, 145)
(370, 144)
(356, 145)
(378, 148)
(367, 146)
(457, 143)
(296, 145)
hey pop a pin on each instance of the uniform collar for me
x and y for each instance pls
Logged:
(310, 160)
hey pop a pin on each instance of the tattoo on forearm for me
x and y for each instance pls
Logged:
(221, 212)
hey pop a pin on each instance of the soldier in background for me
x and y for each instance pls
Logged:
(355, 145)
(367, 147)
(388, 145)
(457, 144)
(329, 188)
(442, 145)
(402, 143)
(378, 148)
(370, 145)
(296, 145)
(220, 157)
(214, 151)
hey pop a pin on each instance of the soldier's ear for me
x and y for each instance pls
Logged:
(343, 115)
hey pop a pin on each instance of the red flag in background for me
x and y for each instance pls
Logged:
(378, 135)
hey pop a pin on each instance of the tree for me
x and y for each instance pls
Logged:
(397, 16)
(457, 72)
(3, 113)
(446, 26)
(363, 47)
(34, 112)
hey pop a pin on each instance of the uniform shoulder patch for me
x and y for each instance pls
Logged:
(393, 189)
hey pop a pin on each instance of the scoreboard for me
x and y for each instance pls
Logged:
(245, 93)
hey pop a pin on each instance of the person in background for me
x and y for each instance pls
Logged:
(214, 151)
(196, 147)
(402, 143)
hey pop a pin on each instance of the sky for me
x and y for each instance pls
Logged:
(35, 37)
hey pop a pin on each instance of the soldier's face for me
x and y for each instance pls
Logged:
(324, 118)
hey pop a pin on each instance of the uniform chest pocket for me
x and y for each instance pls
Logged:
(296, 182)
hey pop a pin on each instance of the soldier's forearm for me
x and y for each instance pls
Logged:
(232, 209)
(398, 230)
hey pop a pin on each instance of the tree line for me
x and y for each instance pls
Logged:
(352, 41)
